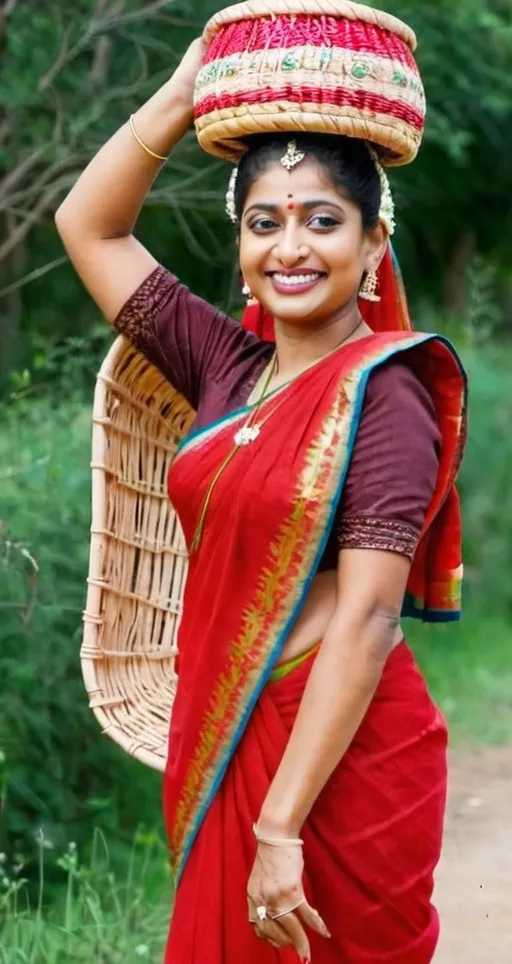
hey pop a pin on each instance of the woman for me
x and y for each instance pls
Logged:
(315, 491)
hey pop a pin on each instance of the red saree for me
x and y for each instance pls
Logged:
(373, 837)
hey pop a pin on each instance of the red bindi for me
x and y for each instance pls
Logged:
(291, 206)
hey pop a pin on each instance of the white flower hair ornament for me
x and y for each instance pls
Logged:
(387, 204)
(230, 197)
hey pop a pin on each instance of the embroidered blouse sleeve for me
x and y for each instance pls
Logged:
(394, 467)
(182, 335)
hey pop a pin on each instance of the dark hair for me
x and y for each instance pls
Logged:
(347, 161)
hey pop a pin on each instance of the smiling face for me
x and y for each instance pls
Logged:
(303, 248)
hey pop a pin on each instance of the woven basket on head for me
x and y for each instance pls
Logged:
(138, 561)
(328, 66)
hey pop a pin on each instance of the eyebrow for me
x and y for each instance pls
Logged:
(305, 205)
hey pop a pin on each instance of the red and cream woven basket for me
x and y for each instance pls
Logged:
(329, 66)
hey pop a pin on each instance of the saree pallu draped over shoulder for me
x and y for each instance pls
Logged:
(265, 532)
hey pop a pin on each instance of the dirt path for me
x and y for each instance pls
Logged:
(474, 890)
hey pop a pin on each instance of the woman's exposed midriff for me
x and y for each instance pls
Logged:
(315, 617)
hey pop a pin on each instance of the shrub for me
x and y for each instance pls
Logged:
(61, 776)
(99, 916)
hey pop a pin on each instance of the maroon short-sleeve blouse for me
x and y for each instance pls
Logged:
(215, 364)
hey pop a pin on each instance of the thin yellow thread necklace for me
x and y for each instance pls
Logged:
(247, 434)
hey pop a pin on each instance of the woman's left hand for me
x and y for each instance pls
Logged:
(276, 885)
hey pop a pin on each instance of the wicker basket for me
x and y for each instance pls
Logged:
(138, 561)
(329, 66)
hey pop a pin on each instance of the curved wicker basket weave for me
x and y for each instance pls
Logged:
(138, 560)
(325, 66)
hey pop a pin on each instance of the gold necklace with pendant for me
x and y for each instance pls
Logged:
(251, 430)
(247, 434)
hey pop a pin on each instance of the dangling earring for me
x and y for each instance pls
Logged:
(247, 293)
(368, 289)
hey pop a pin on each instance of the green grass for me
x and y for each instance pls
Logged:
(469, 672)
(100, 918)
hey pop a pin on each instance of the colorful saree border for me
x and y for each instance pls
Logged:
(286, 576)
(446, 605)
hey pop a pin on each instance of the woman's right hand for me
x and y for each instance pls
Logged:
(184, 78)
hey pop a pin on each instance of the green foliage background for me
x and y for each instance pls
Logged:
(70, 75)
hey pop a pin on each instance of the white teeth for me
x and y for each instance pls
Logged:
(291, 280)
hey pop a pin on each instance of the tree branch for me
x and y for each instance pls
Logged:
(5, 11)
(112, 20)
(8, 8)
(63, 58)
(5, 130)
(64, 165)
(33, 276)
(33, 217)
(151, 10)
(25, 165)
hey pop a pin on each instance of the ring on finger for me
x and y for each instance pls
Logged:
(259, 910)
(260, 917)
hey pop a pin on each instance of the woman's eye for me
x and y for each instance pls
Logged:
(323, 221)
(263, 224)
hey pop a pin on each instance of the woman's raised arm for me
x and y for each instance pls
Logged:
(97, 218)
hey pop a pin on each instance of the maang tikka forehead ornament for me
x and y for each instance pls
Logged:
(290, 160)
(294, 156)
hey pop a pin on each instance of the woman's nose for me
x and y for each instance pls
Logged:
(291, 247)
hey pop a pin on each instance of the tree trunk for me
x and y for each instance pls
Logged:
(11, 305)
(456, 275)
(101, 61)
